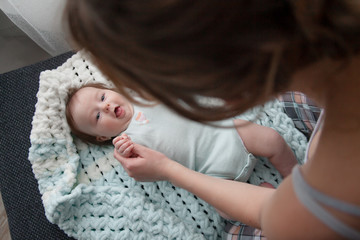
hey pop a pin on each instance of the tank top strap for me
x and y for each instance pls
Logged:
(316, 129)
(312, 200)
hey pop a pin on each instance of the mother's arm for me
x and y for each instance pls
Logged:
(240, 201)
(276, 211)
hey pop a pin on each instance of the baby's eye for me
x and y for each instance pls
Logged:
(97, 116)
(102, 97)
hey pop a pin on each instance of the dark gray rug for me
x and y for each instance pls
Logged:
(18, 186)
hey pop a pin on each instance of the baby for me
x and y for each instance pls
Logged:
(97, 114)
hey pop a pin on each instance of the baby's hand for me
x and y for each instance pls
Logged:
(123, 145)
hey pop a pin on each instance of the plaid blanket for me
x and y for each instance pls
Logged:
(302, 110)
(304, 113)
(240, 231)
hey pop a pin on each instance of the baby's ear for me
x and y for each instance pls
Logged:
(102, 138)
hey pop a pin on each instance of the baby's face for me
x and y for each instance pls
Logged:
(100, 112)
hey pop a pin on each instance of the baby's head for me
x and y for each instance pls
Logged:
(96, 113)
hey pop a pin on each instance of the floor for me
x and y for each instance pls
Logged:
(4, 228)
(16, 51)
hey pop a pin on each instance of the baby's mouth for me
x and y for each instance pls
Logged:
(119, 111)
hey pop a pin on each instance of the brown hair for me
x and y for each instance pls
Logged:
(74, 129)
(241, 51)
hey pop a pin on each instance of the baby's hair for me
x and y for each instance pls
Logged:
(87, 138)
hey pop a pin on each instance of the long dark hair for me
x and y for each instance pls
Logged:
(242, 52)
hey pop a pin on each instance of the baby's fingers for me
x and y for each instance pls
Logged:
(116, 139)
(125, 136)
(121, 148)
(121, 142)
(128, 151)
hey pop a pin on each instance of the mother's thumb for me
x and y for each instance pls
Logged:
(140, 149)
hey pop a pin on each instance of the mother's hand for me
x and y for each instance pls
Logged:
(148, 166)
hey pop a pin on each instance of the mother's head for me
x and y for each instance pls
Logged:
(241, 51)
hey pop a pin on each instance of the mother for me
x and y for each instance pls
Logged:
(243, 53)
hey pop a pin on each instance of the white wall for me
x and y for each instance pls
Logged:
(16, 48)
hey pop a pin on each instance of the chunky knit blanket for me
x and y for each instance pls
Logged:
(86, 192)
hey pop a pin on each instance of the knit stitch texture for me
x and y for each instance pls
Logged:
(87, 193)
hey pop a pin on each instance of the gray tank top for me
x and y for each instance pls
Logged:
(313, 200)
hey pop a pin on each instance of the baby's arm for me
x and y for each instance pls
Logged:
(266, 142)
(123, 145)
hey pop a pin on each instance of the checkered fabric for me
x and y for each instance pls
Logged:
(302, 110)
(240, 231)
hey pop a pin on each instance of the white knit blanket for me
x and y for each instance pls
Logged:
(86, 192)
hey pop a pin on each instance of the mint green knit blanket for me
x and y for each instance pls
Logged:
(86, 192)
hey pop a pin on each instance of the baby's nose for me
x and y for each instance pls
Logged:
(106, 107)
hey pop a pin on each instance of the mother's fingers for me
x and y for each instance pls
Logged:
(147, 152)
(118, 156)
(148, 165)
